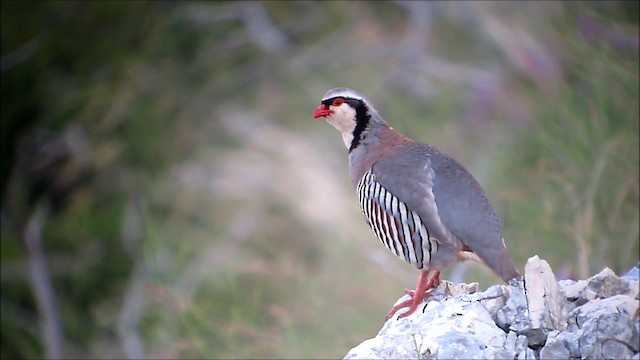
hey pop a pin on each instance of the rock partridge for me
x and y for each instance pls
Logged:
(424, 206)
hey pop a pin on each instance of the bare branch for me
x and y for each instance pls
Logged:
(50, 326)
(134, 303)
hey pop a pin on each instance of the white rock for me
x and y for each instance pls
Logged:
(606, 284)
(510, 321)
(601, 332)
(573, 289)
(546, 300)
(493, 299)
(448, 329)
(514, 314)
(613, 304)
(556, 347)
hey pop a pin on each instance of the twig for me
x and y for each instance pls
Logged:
(134, 302)
(132, 309)
(50, 326)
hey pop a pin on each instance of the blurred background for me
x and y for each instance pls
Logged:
(166, 192)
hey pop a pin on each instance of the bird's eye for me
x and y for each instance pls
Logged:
(338, 102)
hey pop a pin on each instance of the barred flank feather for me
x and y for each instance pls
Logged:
(398, 228)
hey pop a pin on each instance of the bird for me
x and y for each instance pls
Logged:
(423, 205)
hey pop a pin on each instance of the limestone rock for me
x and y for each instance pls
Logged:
(574, 292)
(633, 274)
(606, 284)
(450, 329)
(514, 314)
(493, 299)
(545, 302)
(534, 317)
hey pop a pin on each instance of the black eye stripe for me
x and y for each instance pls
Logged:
(351, 101)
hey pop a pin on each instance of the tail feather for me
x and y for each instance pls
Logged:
(503, 266)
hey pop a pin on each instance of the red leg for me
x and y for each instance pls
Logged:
(417, 296)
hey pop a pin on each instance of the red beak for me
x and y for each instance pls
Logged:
(322, 111)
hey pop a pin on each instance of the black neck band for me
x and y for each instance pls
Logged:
(362, 121)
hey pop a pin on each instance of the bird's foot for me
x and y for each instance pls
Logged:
(423, 290)
(407, 303)
(412, 304)
(410, 292)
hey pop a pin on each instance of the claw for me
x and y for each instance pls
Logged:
(423, 289)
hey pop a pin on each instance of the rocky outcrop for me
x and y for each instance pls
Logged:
(534, 317)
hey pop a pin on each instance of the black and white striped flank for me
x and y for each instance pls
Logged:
(398, 228)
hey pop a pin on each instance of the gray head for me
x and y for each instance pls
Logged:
(349, 112)
(343, 92)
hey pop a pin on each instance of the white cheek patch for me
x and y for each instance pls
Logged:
(347, 139)
(343, 118)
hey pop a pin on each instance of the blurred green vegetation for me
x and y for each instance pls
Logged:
(192, 208)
